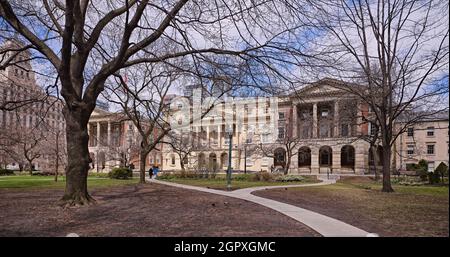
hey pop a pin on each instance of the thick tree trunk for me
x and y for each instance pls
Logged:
(143, 157)
(387, 170)
(30, 168)
(288, 164)
(76, 192)
(182, 165)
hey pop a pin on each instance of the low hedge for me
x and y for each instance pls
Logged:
(98, 174)
(6, 172)
(120, 173)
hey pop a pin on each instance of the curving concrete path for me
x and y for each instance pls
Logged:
(324, 225)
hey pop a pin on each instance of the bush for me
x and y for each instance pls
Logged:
(289, 178)
(434, 178)
(263, 176)
(98, 174)
(442, 170)
(43, 173)
(120, 173)
(6, 172)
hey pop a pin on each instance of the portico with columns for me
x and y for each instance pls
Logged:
(328, 125)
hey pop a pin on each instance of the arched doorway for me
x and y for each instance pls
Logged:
(348, 157)
(279, 158)
(212, 162)
(201, 161)
(223, 160)
(304, 157)
(325, 156)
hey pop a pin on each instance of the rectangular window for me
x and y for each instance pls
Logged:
(280, 132)
(344, 130)
(323, 130)
(265, 138)
(430, 149)
(410, 150)
(410, 132)
(306, 132)
(430, 131)
(324, 113)
(281, 115)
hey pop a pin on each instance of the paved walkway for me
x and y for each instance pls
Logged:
(324, 225)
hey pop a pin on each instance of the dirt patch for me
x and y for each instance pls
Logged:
(141, 210)
(388, 214)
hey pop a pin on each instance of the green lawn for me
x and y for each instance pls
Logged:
(221, 183)
(409, 211)
(23, 181)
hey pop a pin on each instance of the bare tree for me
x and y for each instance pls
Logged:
(54, 148)
(87, 42)
(392, 55)
(183, 144)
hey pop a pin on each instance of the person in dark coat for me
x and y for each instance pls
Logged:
(150, 172)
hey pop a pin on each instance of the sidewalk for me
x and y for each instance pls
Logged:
(324, 225)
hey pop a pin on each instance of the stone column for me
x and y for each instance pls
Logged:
(358, 119)
(361, 158)
(294, 121)
(336, 119)
(208, 139)
(109, 133)
(315, 160)
(314, 127)
(336, 165)
(219, 136)
(98, 134)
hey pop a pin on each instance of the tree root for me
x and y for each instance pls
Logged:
(76, 200)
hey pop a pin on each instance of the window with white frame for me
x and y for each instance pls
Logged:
(430, 149)
(410, 132)
(430, 131)
(280, 132)
(410, 149)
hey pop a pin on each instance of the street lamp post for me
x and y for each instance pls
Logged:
(245, 158)
(230, 141)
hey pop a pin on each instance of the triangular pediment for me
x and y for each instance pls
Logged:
(322, 87)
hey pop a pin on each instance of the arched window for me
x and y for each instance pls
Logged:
(325, 156)
(348, 156)
(279, 157)
(304, 156)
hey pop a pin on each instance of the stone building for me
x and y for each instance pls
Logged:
(28, 111)
(319, 126)
(426, 140)
(114, 141)
(321, 122)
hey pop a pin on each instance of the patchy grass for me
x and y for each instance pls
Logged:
(141, 210)
(48, 182)
(409, 211)
(240, 182)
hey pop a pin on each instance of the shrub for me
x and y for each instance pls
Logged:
(6, 172)
(434, 178)
(43, 173)
(442, 170)
(263, 176)
(98, 174)
(120, 173)
(289, 178)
